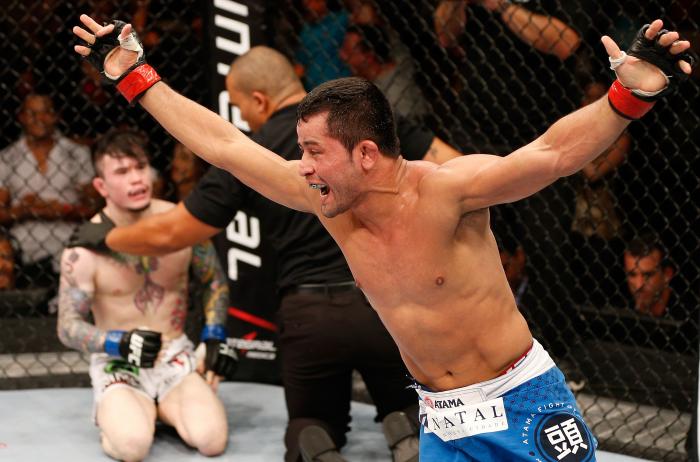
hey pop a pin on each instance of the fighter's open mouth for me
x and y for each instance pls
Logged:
(321, 187)
(136, 192)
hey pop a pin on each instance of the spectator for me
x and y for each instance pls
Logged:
(649, 274)
(7, 262)
(363, 12)
(367, 53)
(185, 170)
(366, 13)
(44, 187)
(140, 374)
(513, 260)
(320, 39)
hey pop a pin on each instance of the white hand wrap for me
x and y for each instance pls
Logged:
(130, 43)
(617, 62)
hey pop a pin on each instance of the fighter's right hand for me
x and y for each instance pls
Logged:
(92, 235)
(139, 347)
(115, 50)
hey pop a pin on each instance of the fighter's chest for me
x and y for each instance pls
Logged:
(407, 263)
(123, 274)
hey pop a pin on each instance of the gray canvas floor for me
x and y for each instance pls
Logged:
(55, 424)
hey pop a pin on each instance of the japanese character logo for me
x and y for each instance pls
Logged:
(563, 437)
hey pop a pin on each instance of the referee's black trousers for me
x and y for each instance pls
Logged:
(323, 338)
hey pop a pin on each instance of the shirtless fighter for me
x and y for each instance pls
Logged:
(143, 365)
(417, 237)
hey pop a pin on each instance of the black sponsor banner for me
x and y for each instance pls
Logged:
(232, 28)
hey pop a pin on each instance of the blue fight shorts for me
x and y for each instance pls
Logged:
(536, 420)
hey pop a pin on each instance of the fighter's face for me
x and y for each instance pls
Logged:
(126, 182)
(646, 279)
(327, 166)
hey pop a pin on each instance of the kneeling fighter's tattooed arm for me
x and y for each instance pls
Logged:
(220, 358)
(76, 292)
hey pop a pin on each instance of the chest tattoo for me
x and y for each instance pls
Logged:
(151, 293)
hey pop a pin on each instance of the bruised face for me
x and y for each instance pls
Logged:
(125, 182)
(327, 166)
(646, 278)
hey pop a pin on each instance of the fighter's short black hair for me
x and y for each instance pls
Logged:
(118, 143)
(357, 110)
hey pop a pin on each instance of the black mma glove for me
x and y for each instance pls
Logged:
(92, 235)
(220, 357)
(138, 78)
(139, 347)
(634, 103)
(661, 57)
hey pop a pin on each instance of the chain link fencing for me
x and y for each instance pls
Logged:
(603, 264)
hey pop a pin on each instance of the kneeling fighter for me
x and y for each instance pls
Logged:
(143, 366)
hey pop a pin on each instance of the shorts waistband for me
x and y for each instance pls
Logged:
(324, 289)
(518, 361)
(535, 362)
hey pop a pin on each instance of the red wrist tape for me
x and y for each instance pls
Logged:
(625, 103)
(137, 82)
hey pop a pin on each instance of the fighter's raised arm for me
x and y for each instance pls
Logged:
(116, 51)
(657, 60)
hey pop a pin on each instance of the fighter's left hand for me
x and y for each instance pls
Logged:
(663, 46)
(218, 361)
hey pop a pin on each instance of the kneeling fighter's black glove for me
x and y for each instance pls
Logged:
(220, 357)
(138, 78)
(139, 347)
(92, 235)
(633, 104)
